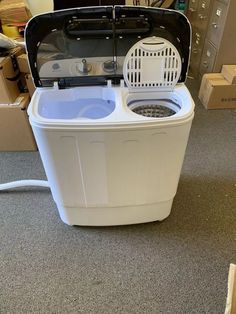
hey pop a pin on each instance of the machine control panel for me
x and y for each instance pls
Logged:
(81, 67)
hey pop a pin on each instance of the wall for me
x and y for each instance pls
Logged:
(37, 7)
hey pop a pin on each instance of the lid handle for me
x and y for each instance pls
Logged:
(76, 28)
(153, 44)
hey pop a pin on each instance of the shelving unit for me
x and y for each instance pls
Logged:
(214, 27)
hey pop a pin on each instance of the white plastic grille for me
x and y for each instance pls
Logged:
(152, 63)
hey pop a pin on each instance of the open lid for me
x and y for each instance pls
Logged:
(87, 46)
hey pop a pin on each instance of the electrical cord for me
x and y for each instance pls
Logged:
(21, 183)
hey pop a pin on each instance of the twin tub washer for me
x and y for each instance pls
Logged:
(111, 114)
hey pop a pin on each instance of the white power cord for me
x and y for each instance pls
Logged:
(20, 183)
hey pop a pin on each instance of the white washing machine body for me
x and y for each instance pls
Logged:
(113, 153)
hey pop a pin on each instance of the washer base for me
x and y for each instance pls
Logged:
(113, 216)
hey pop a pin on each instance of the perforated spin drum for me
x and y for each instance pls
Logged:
(140, 74)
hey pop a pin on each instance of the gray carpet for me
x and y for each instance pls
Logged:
(177, 266)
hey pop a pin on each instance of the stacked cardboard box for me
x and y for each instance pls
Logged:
(218, 90)
(10, 83)
(14, 15)
(15, 130)
(24, 68)
(229, 72)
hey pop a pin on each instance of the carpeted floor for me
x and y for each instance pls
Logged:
(177, 266)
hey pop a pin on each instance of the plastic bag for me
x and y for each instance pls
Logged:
(8, 43)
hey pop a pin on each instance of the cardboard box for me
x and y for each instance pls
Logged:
(229, 73)
(9, 77)
(14, 11)
(202, 95)
(15, 130)
(212, 76)
(216, 92)
(231, 297)
(30, 84)
(23, 65)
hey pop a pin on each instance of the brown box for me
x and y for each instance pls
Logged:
(9, 77)
(14, 11)
(23, 65)
(15, 130)
(30, 84)
(231, 296)
(214, 76)
(217, 93)
(229, 73)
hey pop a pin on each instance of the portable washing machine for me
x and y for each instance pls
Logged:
(111, 114)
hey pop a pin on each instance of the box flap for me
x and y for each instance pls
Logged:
(229, 72)
(219, 82)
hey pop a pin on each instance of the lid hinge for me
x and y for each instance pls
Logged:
(109, 83)
(59, 84)
(126, 25)
(55, 85)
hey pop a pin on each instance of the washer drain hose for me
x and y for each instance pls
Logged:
(21, 183)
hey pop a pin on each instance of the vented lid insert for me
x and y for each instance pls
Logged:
(152, 63)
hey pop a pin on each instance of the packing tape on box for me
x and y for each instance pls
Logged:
(10, 31)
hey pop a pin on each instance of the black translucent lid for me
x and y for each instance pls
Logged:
(87, 46)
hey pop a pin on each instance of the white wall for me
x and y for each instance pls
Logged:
(37, 7)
